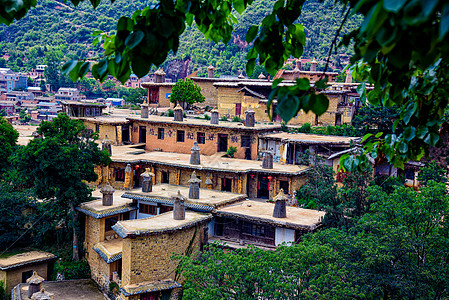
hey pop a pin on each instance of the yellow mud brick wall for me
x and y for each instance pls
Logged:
(149, 258)
(14, 277)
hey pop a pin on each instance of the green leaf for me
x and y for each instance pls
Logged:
(422, 131)
(84, 69)
(252, 33)
(322, 84)
(403, 148)
(125, 24)
(300, 35)
(140, 66)
(287, 107)
(444, 22)
(366, 136)
(409, 133)
(409, 112)
(73, 74)
(303, 84)
(378, 135)
(431, 139)
(393, 5)
(239, 6)
(250, 66)
(134, 39)
(319, 104)
(68, 66)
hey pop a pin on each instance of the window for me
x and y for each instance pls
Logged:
(246, 141)
(180, 136)
(160, 133)
(147, 209)
(283, 184)
(109, 222)
(165, 178)
(119, 174)
(97, 127)
(255, 229)
(164, 209)
(201, 137)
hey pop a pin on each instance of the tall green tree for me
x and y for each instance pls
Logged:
(187, 91)
(8, 140)
(58, 164)
(432, 171)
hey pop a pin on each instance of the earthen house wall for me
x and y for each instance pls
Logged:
(210, 146)
(148, 258)
(13, 277)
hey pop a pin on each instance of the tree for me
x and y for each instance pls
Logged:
(24, 117)
(432, 171)
(58, 163)
(400, 49)
(8, 140)
(372, 119)
(43, 86)
(185, 90)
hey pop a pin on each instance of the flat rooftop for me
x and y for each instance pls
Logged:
(66, 289)
(205, 123)
(25, 133)
(105, 119)
(109, 250)
(163, 223)
(297, 218)
(96, 209)
(25, 258)
(305, 138)
(129, 154)
(209, 199)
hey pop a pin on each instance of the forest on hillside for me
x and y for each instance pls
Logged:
(57, 29)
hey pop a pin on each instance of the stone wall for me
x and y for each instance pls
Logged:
(209, 92)
(14, 277)
(149, 258)
(114, 132)
(94, 233)
(210, 147)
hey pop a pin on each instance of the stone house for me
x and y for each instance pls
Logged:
(82, 109)
(116, 129)
(18, 268)
(130, 239)
(287, 148)
(262, 224)
(217, 173)
(168, 135)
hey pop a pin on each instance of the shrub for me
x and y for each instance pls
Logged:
(73, 269)
(206, 117)
(171, 113)
(223, 118)
(3, 294)
(236, 119)
(231, 151)
(305, 128)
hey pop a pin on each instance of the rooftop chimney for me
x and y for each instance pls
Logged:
(280, 209)
(34, 284)
(348, 77)
(214, 116)
(147, 182)
(179, 210)
(159, 76)
(250, 118)
(241, 75)
(313, 64)
(194, 189)
(210, 71)
(298, 64)
(144, 110)
(208, 183)
(267, 162)
(42, 295)
(195, 154)
(106, 144)
(108, 197)
(128, 177)
(178, 113)
(261, 76)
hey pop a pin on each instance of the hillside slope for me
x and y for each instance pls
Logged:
(56, 27)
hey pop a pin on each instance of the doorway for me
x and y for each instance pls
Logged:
(222, 142)
(263, 190)
(125, 134)
(226, 184)
(142, 134)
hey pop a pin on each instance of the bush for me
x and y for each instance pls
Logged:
(3, 294)
(171, 113)
(206, 117)
(231, 151)
(236, 119)
(284, 127)
(224, 118)
(73, 269)
(305, 128)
